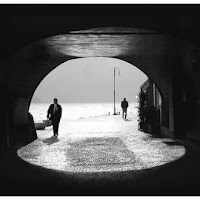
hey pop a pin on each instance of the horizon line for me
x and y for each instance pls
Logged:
(87, 102)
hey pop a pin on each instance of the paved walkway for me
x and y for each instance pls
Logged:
(100, 156)
(105, 143)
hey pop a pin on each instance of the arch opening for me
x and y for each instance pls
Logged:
(82, 135)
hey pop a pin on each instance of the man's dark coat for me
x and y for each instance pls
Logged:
(55, 117)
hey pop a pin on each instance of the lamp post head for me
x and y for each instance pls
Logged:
(117, 69)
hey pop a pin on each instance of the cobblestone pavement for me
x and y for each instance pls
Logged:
(100, 144)
(100, 156)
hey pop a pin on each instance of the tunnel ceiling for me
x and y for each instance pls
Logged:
(23, 25)
(116, 30)
(108, 42)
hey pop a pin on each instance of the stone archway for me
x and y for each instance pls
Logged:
(152, 52)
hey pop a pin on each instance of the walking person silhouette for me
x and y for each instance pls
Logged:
(54, 114)
(124, 105)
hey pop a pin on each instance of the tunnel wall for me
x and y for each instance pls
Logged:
(189, 60)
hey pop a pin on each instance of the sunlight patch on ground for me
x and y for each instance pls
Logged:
(117, 146)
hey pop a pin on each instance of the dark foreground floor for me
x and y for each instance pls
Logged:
(181, 177)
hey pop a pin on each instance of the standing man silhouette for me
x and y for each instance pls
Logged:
(54, 114)
(124, 105)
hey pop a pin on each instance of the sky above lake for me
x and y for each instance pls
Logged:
(91, 80)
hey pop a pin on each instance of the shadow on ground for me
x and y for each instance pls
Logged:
(51, 140)
(180, 177)
(128, 120)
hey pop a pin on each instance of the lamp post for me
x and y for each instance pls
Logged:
(114, 88)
